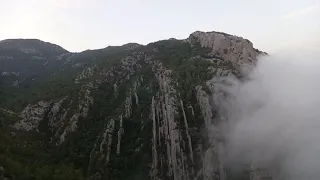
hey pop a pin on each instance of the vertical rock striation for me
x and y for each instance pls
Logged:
(169, 153)
(120, 133)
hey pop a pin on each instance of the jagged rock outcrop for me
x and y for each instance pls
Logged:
(10, 74)
(237, 50)
(85, 100)
(58, 116)
(86, 73)
(32, 115)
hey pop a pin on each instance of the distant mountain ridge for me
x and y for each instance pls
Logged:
(31, 46)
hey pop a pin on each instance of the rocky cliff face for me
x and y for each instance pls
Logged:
(139, 112)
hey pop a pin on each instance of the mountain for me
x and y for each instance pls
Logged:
(30, 54)
(123, 112)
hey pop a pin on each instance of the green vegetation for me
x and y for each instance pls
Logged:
(23, 156)
(191, 73)
(43, 88)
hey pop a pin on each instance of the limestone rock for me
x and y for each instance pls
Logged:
(238, 51)
(32, 115)
(10, 74)
(86, 73)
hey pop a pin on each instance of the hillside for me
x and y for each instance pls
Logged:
(123, 112)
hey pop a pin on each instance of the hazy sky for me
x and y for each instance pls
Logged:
(88, 24)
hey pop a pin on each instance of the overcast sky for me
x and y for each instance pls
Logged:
(88, 24)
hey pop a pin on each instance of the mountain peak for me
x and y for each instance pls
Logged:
(30, 46)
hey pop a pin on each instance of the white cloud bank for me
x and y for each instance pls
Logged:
(274, 118)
